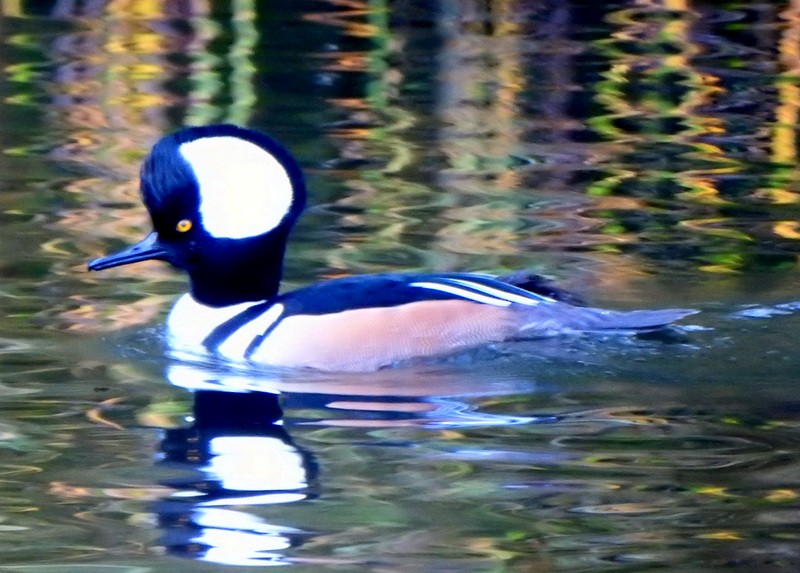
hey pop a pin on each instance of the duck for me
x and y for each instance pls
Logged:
(223, 199)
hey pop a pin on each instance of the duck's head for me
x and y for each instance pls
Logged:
(222, 200)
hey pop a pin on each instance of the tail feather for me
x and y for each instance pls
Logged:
(545, 320)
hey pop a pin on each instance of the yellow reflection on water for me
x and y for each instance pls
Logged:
(350, 16)
(783, 187)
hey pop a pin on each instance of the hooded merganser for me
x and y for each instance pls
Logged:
(223, 199)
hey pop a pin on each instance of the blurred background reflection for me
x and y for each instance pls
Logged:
(641, 152)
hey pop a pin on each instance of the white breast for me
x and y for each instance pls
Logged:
(235, 346)
(189, 323)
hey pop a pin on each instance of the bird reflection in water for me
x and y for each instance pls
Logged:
(240, 454)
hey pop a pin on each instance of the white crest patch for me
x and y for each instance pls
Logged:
(244, 190)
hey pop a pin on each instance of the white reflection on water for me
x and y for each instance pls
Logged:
(255, 463)
(422, 397)
(237, 538)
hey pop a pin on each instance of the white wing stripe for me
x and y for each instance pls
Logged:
(236, 344)
(463, 293)
(501, 294)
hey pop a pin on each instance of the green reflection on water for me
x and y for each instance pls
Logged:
(630, 147)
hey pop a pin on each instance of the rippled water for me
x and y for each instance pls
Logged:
(644, 154)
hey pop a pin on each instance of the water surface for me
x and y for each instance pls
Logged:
(643, 154)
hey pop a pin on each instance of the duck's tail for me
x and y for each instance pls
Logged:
(549, 319)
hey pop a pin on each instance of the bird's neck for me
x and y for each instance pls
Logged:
(235, 288)
(240, 276)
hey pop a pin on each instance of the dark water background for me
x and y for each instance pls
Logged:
(643, 153)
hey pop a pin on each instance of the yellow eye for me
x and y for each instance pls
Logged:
(183, 225)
